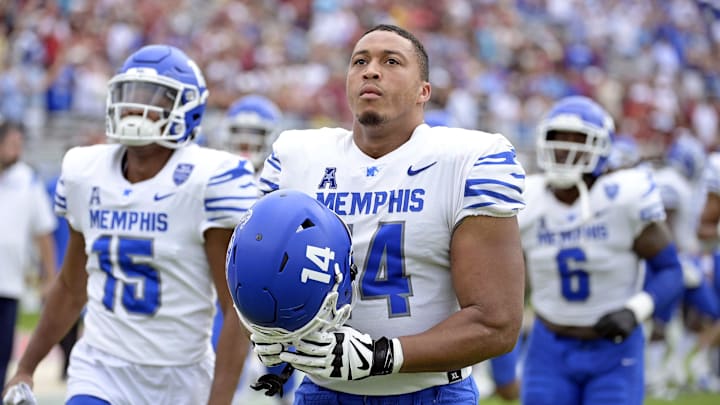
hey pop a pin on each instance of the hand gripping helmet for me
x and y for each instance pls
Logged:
(250, 127)
(157, 96)
(289, 267)
(565, 162)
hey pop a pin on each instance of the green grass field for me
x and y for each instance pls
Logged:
(28, 321)
(688, 399)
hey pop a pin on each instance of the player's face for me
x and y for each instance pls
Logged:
(10, 148)
(144, 93)
(383, 80)
(562, 155)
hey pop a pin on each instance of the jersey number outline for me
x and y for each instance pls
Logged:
(127, 260)
(574, 281)
(384, 275)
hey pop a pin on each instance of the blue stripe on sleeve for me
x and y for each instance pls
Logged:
(273, 161)
(479, 205)
(219, 218)
(234, 209)
(271, 185)
(212, 200)
(494, 194)
(470, 183)
(230, 175)
(653, 186)
(502, 158)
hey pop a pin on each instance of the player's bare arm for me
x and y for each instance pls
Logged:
(708, 229)
(489, 278)
(65, 300)
(232, 344)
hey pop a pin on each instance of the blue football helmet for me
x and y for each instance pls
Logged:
(687, 156)
(625, 153)
(158, 96)
(564, 162)
(249, 128)
(289, 267)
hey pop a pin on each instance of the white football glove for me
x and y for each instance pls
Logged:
(345, 354)
(268, 352)
(19, 394)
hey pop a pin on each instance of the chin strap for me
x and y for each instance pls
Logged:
(585, 212)
(273, 383)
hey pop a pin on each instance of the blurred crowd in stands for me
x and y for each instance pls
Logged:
(496, 65)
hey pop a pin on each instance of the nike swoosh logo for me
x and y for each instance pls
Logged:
(365, 364)
(412, 172)
(159, 197)
(600, 213)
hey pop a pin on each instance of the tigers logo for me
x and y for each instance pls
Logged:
(611, 190)
(182, 172)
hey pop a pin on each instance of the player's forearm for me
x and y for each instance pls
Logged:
(464, 339)
(232, 349)
(60, 312)
(708, 232)
(666, 284)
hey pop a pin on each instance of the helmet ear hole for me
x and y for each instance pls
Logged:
(284, 262)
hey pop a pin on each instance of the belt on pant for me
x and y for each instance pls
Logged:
(577, 332)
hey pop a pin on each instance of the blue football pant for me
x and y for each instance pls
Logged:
(86, 400)
(459, 393)
(561, 370)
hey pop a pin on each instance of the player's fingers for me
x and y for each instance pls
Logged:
(264, 349)
(304, 361)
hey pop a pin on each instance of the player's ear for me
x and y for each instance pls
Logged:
(424, 93)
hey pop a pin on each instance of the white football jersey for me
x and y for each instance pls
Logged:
(679, 195)
(25, 213)
(151, 298)
(578, 270)
(402, 209)
(712, 173)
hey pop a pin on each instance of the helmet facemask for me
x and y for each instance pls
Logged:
(248, 136)
(563, 158)
(330, 316)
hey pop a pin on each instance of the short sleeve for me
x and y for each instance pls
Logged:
(495, 183)
(646, 206)
(230, 192)
(269, 180)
